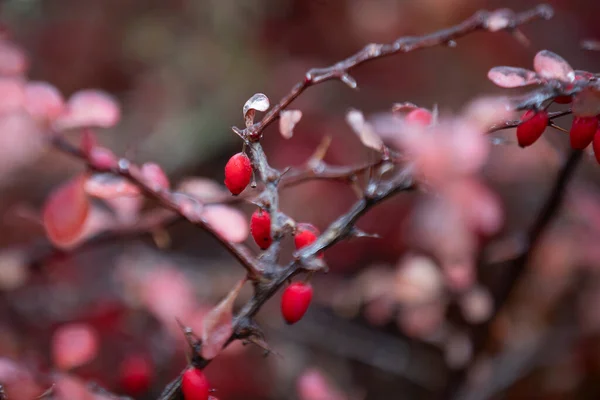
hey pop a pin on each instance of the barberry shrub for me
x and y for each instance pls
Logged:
(436, 267)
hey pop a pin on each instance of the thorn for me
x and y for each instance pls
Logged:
(239, 132)
(192, 339)
(521, 38)
(348, 80)
(559, 128)
(161, 238)
(358, 233)
(321, 150)
(46, 393)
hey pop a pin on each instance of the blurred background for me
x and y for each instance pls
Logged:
(182, 71)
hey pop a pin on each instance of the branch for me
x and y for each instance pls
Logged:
(480, 21)
(516, 267)
(128, 170)
(243, 324)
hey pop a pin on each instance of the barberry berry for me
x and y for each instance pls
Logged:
(582, 132)
(531, 128)
(419, 116)
(260, 228)
(194, 385)
(135, 374)
(295, 301)
(306, 234)
(238, 173)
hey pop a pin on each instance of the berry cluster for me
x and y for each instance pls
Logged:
(297, 296)
(584, 130)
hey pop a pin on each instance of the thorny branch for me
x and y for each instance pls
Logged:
(265, 273)
(480, 21)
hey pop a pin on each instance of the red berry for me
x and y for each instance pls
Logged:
(596, 145)
(419, 116)
(295, 301)
(306, 234)
(582, 131)
(135, 374)
(238, 173)
(260, 228)
(194, 385)
(531, 128)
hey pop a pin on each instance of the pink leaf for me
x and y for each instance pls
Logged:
(12, 60)
(102, 158)
(89, 108)
(552, 66)
(313, 385)
(74, 345)
(586, 103)
(18, 383)
(107, 185)
(364, 130)
(21, 141)
(287, 121)
(155, 176)
(43, 101)
(13, 94)
(229, 223)
(217, 324)
(65, 212)
(69, 388)
(203, 189)
(511, 77)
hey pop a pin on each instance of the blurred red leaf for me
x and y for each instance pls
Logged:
(203, 189)
(552, 66)
(89, 108)
(13, 60)
(217, 325)
(65, 212)
(13, 94)
(312, 385)
(230, 223)
(155, 176)
(43, 101)
(74, 345)
(511, 77)
(107, 185)
(17, 381)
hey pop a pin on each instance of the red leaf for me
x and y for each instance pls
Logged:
(313, 385)
(217, 325)
(12, 59)
(65, 212)
(203, 189)
(74, 345)
(155, 176)
(43, 101)
(89, 108)
(586, 103)
(229, 223)
(511, 77)
(552, 66)
(107, 185)
(13, 94)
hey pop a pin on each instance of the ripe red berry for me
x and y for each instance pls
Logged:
(531, 128)
(260, 228)
(295, 301)
(582, 131)
(596, 145)
(419, 116)
(194, 385)
(135, 374)
(238, 173)
(306, 234)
